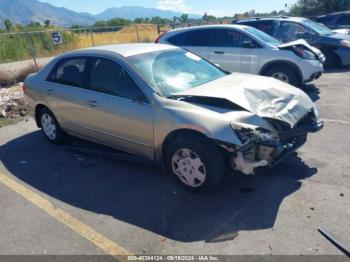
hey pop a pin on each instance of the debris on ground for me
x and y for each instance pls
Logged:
(12, 104)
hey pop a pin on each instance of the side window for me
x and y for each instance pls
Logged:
(289, 31)
(110, 78)
(69, 72)
(229, 38)
(196, 38)
(176, 40)
(344, 20)
(267, 27)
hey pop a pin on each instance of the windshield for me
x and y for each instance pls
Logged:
(263, 36)
(317, 27)
(173, 71)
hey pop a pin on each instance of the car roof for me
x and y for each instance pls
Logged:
(208, 26)
(280, 18)
(336, 13)
(127, 50)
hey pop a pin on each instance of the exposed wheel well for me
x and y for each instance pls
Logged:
(287, 64)
(180, 132)
(37, 111)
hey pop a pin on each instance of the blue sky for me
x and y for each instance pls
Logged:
(218, 7)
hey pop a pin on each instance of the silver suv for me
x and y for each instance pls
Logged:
(240, 48)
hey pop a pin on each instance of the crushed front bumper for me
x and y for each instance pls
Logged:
(246, 159)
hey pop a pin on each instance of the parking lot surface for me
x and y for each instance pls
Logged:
(58, 201)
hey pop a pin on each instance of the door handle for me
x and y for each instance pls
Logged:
(92, 103)
(219, 52)
(50, 91)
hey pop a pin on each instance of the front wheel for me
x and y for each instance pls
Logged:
(284, 74)
(196, 162)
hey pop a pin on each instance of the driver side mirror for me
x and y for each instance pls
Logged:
(248, 44)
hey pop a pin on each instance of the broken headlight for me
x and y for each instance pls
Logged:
(259, 135)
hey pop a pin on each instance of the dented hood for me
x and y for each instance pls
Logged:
(306, 45)
(264, 96)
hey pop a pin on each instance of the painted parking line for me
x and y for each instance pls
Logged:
(79, 227)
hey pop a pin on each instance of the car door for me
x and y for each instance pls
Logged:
(234, 51)
(117, 111)
(65, 88)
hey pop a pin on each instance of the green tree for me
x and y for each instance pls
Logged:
(183, 18)
(318, 7)
(47, 23)
(8, 25)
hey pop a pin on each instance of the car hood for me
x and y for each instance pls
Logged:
(339, 36)
(263, 96)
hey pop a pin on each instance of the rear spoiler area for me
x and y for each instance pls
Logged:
(302, 44)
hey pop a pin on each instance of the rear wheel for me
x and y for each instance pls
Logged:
(50, 126)
(196, 162)
(285, 74)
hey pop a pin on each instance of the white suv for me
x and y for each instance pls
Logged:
(239, 48)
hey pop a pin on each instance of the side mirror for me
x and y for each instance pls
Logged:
(248, 44)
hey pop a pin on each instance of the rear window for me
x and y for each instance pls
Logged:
(267, 27)
(191, 38)
(69, 72)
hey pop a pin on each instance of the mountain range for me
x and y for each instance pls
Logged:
(26, 11)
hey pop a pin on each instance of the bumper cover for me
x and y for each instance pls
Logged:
(299, 136)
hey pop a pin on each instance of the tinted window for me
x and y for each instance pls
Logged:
(268, 27)
(229, 38)
(191, 38)
(69, 72)
(289, 31)
(110, 78)
(344, 20)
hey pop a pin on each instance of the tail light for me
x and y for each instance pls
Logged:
(158, 38)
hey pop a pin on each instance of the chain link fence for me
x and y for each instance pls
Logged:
(35, 45)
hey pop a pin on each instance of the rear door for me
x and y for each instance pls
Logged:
(234, 51)
(65, 88)
(117, 111)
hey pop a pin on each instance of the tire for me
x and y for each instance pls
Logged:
(285, 74)
(50, 127)
(196, 162)
(332, 60)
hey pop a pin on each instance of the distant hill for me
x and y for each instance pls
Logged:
(26, 11)
(132, 12)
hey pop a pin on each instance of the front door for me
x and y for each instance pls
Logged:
(234, 51)
(117, 111)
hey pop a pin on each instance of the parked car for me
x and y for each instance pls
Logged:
(244, 49)
(336, 47)
(338, 22)
(165, 103)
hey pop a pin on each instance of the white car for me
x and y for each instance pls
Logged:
(244, 49)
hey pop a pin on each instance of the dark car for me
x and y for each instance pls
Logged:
(340, 20)
(336, 47)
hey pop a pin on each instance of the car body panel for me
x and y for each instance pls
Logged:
(264, 99)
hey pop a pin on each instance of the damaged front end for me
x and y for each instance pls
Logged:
(261, 147)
